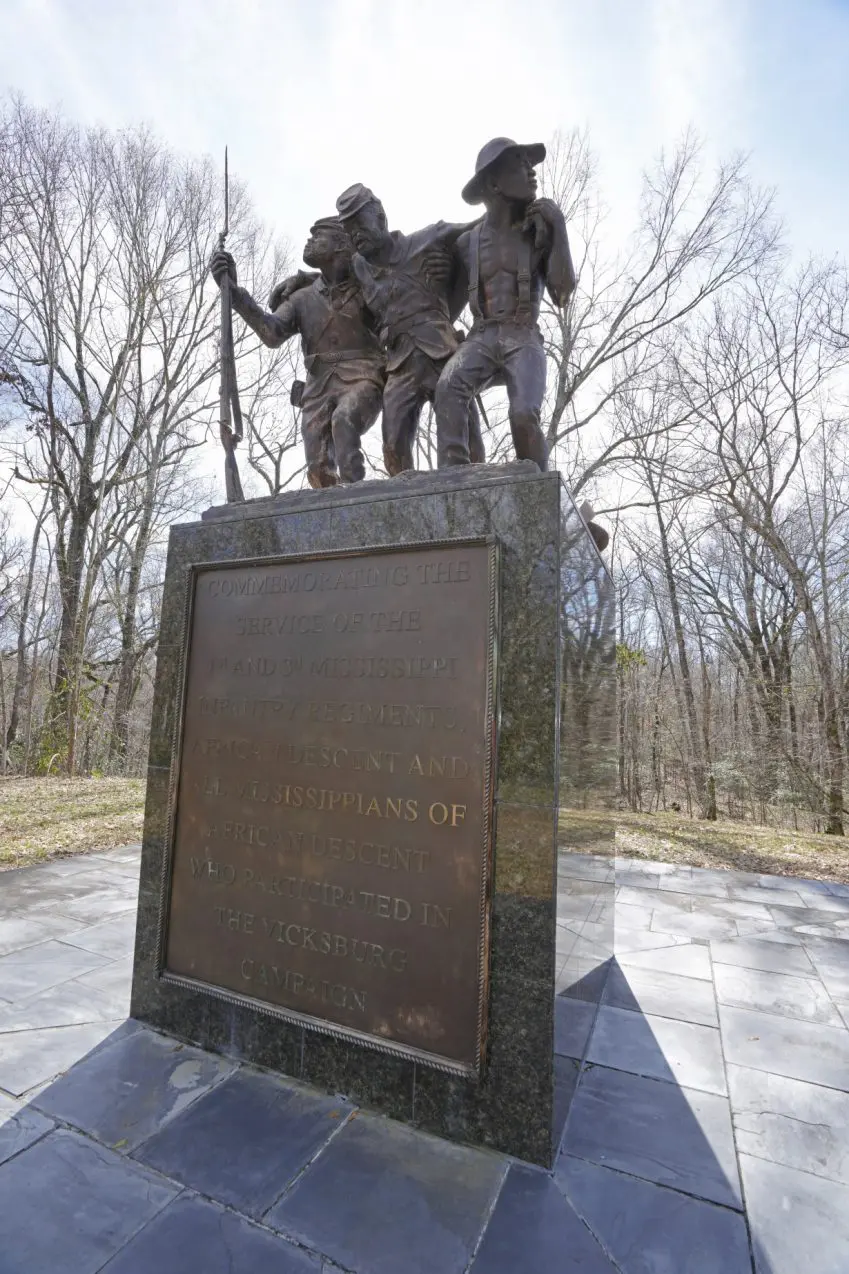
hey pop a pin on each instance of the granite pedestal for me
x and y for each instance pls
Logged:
(551, 579)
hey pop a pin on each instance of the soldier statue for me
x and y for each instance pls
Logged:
(414, 288)
(519, 249)
(345, 365)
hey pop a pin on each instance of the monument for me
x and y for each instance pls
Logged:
(349, 871)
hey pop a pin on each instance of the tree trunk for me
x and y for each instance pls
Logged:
(21, 652)
(697, 759)
(70, 567)
(119, 740)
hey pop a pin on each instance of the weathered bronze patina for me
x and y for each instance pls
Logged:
(331, 812)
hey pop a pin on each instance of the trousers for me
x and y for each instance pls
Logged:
(407, 390)
(495, 353)
(332, 424)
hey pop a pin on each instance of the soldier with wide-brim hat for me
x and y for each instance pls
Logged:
(489, 156)
(518, 251)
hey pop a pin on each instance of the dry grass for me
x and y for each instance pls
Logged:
(52, 818)
(670, 838)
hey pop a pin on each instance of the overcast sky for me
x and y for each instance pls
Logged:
(311, 95)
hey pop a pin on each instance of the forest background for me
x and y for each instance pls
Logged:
(697, 397)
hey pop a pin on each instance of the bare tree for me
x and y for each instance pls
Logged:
(760, 377)
(109, 319)
(696, 236)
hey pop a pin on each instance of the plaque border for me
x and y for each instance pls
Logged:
(491, 729)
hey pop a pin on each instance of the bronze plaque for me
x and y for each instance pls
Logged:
(330, 838)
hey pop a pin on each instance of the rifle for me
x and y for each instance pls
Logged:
(230, 411)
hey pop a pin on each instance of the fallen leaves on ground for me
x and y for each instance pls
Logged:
(51, 817)
(671, 838)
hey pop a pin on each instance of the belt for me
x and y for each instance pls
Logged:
(332, 357)
(520, 319)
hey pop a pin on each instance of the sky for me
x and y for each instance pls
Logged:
(311, 95)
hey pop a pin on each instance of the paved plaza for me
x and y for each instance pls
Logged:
(703, 1103)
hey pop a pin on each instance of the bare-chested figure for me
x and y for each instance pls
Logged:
(518, 250)
(344, 362)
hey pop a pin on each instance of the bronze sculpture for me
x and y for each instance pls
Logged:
(344, 362)
(414, 288)
(517, 250)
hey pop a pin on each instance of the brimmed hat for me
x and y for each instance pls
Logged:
(328, 223)
(353, 199)
(491, 153)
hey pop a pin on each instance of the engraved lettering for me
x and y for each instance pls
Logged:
(219, 873)
(436, 917)
(399, 715)
(300, 984)
(336, 721)
(396, 621)
(444, 572)
(384, 667)
(324, 799)
(241, 748)
(257, 709)
(450, 815)
(228, 918)
(440, 767)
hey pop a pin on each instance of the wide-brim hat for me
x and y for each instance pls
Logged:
(353, 199)
(490, 154)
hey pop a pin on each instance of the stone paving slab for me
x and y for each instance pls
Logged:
(661, 993)
(383, 1198)
(799, 1222)
(128, 1090)
(655, 1130)
(756, 953)
(783, 1046)
(34, 969)
(111, 938)
(534, 1227)
(787, 1121)
(685, 959)
(573, 1022)
(246, 1140)
(19, 932)
(783, 994)
(68, 1204)
(31, 1058)
(682, 1052)
(646, 1228)
(73, 1003)
(20, 1126)
(648, 1178)
(195, 1236)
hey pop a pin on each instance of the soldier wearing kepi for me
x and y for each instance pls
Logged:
(519, 249)
(414, 288)
(344, 362)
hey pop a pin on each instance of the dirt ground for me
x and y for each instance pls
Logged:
(669, 838)
(54, 818)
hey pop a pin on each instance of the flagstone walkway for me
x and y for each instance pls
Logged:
(703, 1103)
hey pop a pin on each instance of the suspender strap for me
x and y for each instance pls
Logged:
(474, 271)
(523, 281)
